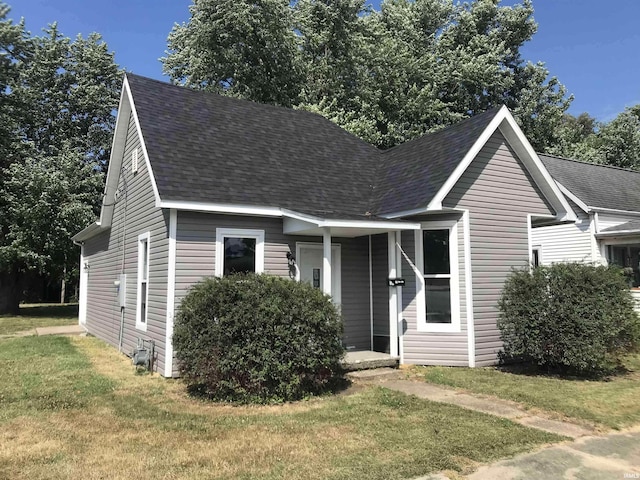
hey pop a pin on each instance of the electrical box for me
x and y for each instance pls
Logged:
(121, 289)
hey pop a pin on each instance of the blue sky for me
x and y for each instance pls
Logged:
(592, 46)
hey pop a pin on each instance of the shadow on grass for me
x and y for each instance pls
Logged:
(531, 370)
(49, 310)
(338, 386)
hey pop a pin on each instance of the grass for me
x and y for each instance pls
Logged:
(613, 402)
(40, 315)
(72, 407)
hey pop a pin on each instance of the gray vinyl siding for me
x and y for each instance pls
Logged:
(433, 348)
(499, 194)
(196, 252)
(104, 254)
(380, 272)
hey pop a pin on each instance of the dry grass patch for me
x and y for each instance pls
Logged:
(129, 426)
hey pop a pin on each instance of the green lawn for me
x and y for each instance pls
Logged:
(73, 407)
(613, 402)
(39, 315)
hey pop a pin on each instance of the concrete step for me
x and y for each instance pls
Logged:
(384, 373)
(367, 360)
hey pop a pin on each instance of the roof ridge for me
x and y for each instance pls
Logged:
(584, 162)
(194, 91)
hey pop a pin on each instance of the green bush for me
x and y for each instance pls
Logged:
(258, 338)
(569, 317)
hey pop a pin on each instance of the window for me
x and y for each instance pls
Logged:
(437, 259)
(239, 251)
(535, 256)
(143, 281)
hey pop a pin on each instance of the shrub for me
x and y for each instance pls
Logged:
(258, 338)
(570, 317)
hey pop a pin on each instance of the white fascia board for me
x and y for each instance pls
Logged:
(144, 146)
(436, 201)
(583, 206)
(405, 213)
(504, 121)
(221, 208)
(370, 224)
(88, 232)
(528, 156)
(337, 223)
(116, 157)
(630, 213)
(618, 233)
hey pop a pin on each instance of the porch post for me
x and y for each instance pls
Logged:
(326, 261)
(393, 295)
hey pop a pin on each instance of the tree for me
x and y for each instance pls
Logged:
(618, 142)
(243, 48)
(386, 76)
(58, 97)
(614, 143)
(46, 200)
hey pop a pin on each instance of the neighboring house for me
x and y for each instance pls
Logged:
(606, 201)
(200, 184)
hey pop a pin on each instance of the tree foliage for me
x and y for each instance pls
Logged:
(387, 76)
(614, 143)
(57, 101)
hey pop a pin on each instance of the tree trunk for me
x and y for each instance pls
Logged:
(63, 288)
(9, 293)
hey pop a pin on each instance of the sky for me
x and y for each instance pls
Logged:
(592, 46)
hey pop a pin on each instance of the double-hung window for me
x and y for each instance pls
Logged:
(143, 281)
(239, 251)
(437, 259)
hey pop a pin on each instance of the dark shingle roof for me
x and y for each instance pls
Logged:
(205, 147)
(598, 186)
(208, 148)
(412, 173)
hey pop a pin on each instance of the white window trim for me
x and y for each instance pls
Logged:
(422, 325)
(140, 324)
(221, 233)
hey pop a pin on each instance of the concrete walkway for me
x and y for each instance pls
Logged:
(612, 456)
(388, 378)
(60, 330)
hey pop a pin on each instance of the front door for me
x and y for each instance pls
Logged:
(309, 260)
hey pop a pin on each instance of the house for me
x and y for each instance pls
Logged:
(414, 243)
(606, 201)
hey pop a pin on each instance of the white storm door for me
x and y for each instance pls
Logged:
(309, 260)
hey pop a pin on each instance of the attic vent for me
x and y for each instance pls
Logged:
(134, 160)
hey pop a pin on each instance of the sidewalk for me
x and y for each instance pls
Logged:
(40, 331)
(611, 456)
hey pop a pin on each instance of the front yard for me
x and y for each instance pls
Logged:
(612, 402)
(73, 407)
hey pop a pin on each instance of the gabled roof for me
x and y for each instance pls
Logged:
(411, 174)
(596, 187)
(213, 153)
(208, 148)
